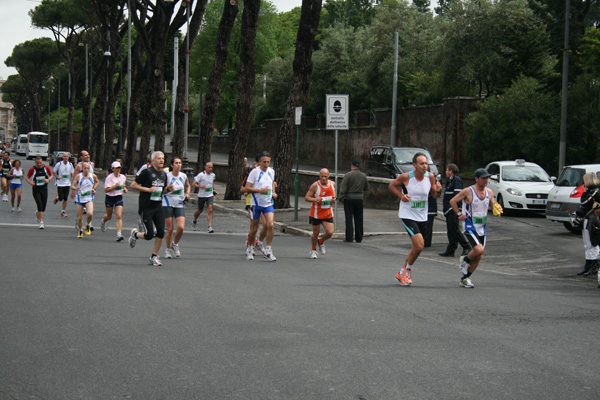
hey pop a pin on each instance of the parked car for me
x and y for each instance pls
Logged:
(565, 198)
(519, 185)
(56, 156)
(388, 162)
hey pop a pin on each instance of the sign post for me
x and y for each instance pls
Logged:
(337, 113)
(296, 184)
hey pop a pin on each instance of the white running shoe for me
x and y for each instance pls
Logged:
(313, 254)
(103, 226)
(120, 238)
(249, 253)
(261, 248)
(466, 283)
(321, 247)
(168, 253)
(194, 226)
(132, 238)
(41, 224)
(464, 267)
(155, 261)
(211, 230)
(270, 257)
(12, 209)
(175, 248)
(19, 209)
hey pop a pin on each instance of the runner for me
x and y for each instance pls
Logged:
(38, 177)
(6, 166)
(84, 156)
(84, 188)
(114, 187)
(206, 195)
(477, 199)
(321, 194)
(258, 243)
(16, 184)
(416, 186)
(174, 207)
(141, 226)
(261, 185)
(152, 183)
(63, 171)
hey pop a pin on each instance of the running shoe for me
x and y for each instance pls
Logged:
(19, 209)
(88, 231)
(41, 224)
(321, 247)
(168, 253)
(84, 211)
(466, 283)
(103, 226)
(141, 226)
(91, 227)
(194, 225)
(401, 277)
(211, 230)
(120, 238)
(175, 248)
(63, 213)
(249, 253)
(313, 254)
(261, 248)
(408, 276)
(464, 266)
(132, 238)
(55, 199)
(270, 257)
(4, 197)
(12, 209)
(80, 234)
(155, 261)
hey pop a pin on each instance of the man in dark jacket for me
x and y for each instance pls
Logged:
(353, 186)
(453, 186)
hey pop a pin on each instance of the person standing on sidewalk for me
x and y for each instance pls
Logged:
(261, 186)
(322, 195)
(413, 189)
(38, 177)
(204, 182)
(64, 171)
(351, 194)
(477, 199)
(152, 184)
(454, 185)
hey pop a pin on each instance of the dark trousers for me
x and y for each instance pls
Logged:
(428, 234)
(455, 236)
(353, 209)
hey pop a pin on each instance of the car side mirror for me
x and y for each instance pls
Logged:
(553, 179)
(495, 177)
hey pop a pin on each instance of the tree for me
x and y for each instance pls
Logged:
(353, 13)
(244, 101)
(309, 22)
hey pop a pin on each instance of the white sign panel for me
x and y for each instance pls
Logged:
(337, 112)
(298, 115)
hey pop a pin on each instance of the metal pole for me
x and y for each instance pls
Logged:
(296, 182)
(395, 95)
(562, 150)
(175, 83)
(187, 84)
(58, 120)
(134, 144)
(336, 180)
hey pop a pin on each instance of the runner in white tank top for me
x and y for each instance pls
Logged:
(413, 188)
(477, 200)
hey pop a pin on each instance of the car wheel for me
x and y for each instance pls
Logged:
(570, 227)
(500, 201)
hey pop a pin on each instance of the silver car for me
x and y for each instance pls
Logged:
(565, 198)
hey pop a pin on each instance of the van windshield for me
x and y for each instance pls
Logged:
(35, 138)
(570, 177)
(405, 156)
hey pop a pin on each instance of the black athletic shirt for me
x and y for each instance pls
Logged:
(147, 178)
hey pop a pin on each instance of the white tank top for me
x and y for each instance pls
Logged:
(476, 212)
(17, 180)
(416, 207)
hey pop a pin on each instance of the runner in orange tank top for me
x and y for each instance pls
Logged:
(322, 195)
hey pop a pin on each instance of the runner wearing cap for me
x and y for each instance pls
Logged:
(114, 187)
(477, 199)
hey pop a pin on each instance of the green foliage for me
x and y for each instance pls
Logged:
(521, 123)
(352, 13)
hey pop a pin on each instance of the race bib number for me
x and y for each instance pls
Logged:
(6, 171)
(326, 202)
(268, 193)
(418, 204)
(65, 176)
(87, 193)
(208, 189)
(176, 192)
(480, 220)
(40, 181)
(156, 195)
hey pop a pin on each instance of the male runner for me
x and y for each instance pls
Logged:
(204, 182)
(260, 184)
(477, 199)
(322, 195)
(63, 171)
(152, 183)
(416, 186)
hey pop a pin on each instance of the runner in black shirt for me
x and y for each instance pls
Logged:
(152, 184)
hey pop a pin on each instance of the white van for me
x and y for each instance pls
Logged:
(21, 146)
(37, 145)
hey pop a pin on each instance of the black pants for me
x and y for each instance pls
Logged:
(428, 234)
(154, 217)
(40, 195)
(455, 236)
(353, 210)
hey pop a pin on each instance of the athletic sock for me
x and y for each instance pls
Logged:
(467, 275)
(409, 267)
(321, 241)
(467, 260)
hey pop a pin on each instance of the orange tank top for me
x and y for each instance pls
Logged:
(323, 209)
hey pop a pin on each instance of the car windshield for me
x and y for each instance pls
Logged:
(405, 156)
(524, 173)
(571, 177)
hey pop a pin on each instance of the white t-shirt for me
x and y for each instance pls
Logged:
(205, 179)
(175, 198)
(63, 173)
(259, 180)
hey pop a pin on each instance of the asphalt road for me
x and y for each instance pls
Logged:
(88, 318)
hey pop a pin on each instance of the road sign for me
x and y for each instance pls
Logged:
(337, 111)
(298, 115)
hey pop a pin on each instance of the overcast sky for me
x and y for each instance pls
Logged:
(15, 26)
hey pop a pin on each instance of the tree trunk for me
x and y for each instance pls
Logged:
(244, 100)
(597, 157)
(132, 157)
(99, 111)
(211, 101)
(286, 143)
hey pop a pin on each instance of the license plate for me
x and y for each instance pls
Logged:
(540, 202)
(554, 206)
